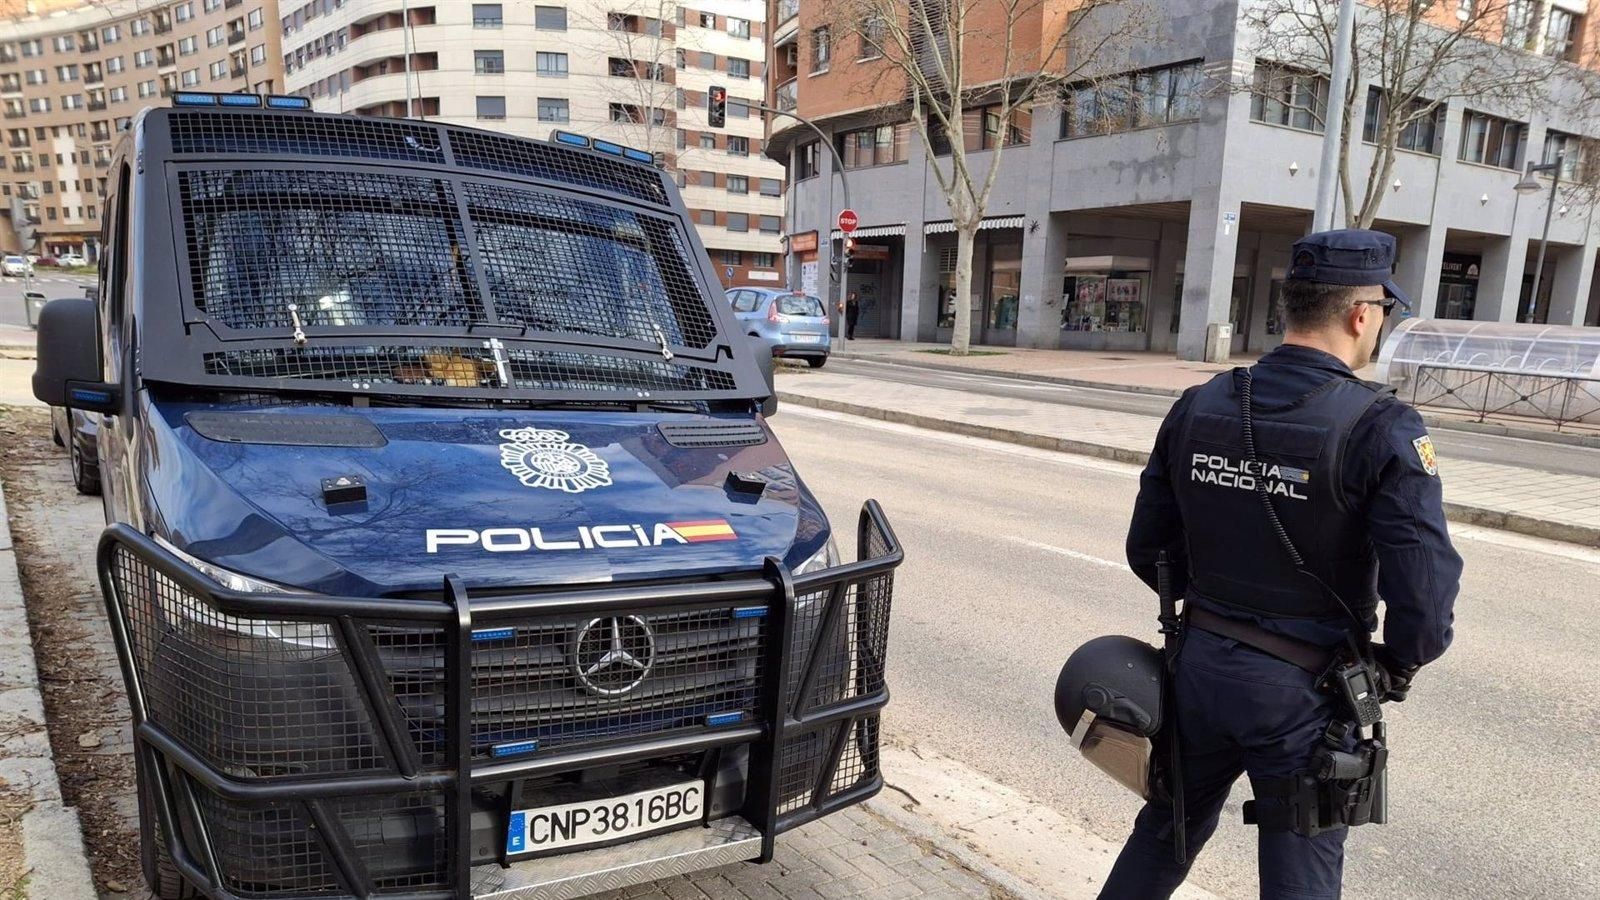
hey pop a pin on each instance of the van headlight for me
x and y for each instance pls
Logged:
(304, 635)
(826, 558)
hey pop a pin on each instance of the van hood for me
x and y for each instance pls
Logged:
(502, 499)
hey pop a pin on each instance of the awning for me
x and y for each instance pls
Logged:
(996, 222)
(874, 231)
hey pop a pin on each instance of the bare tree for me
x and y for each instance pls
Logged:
(641, 58)
(1419, 54)
(1002, 57)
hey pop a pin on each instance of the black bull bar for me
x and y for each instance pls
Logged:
(289, 724)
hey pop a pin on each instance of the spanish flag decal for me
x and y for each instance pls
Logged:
(708, 530)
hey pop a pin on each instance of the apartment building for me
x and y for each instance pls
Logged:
(1133, 212)
(631, 71)
(73, 73)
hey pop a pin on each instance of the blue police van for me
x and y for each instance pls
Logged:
(448, 550)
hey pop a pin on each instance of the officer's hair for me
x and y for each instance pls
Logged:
(1312, 305)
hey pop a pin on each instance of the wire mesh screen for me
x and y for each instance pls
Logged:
(519, 157)
(561, 264)
(800, 767)
(858, 763)
(469, 366)
(266, 850)
(280, 249)
(401, 840)
(299, 134)
(255, 698)
(582, 681)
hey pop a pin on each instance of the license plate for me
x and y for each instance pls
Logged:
(808, 338)
(606, 821)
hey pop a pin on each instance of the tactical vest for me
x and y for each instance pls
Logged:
(1235, 556)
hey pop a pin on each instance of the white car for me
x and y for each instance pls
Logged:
(71, 259)
(16, 266)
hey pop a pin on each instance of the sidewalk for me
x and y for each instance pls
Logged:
(1146, 372)
(1558, 507)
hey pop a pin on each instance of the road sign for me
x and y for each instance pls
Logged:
(727, 272)
(848, 220)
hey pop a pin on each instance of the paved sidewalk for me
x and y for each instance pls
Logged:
(1559, 507)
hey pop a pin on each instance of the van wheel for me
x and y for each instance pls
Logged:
(85, 474)
(817, 362)
(160, 873)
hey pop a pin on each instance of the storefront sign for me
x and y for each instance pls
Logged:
(870, 252)
(805, 241)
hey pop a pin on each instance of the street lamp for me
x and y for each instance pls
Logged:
(1527, 187)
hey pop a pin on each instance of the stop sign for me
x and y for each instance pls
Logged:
(848, 220)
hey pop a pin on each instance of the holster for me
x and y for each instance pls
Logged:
(1325, 798)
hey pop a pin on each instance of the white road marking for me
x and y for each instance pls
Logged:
(1514, 541)
(1063, 551)
(1125, 470)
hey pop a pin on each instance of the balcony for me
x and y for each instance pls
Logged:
(11, 86)
(165, 59)
(788, 95)
(238, 70)
(16, 113)
(97, 105)
(22, 167)
(787, 9)
(93, 76)
(102, 163)
(89, 45)
(17, 143)
(235, 37)
(230, 4)
(8, 56)
(100, 134)
(163, 26)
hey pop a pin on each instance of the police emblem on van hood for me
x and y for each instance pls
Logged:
(545, 458)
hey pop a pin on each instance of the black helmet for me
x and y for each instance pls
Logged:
(1109, 699)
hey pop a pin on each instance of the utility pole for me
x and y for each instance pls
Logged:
(405, 47)
(1333, 130)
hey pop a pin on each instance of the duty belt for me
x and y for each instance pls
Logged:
(1312, 658)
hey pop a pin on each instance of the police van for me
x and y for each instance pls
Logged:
(449, 551)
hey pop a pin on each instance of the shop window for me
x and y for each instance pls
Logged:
(1112, 300)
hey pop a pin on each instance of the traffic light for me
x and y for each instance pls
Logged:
(849, 246)
(716, 106)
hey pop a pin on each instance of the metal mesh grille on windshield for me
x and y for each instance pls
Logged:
(343, 248)
(560, 264)
(195, 131)
(504, 154)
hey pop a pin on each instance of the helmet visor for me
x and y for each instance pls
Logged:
(1116, 750)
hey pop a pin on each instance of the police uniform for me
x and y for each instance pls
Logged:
(1352, 477)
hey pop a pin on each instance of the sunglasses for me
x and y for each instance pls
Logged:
(1388, 304)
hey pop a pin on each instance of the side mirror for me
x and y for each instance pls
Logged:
(769, 406)
(68, 370)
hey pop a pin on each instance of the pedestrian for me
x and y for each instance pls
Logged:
(851, 307)
(1290, 497)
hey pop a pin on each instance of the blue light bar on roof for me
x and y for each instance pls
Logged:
(568, 138)
(239, 100)
(639, 155)
(608, 147)
(184, 98)
(278, 101)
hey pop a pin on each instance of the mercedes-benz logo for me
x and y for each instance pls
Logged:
(612, 656)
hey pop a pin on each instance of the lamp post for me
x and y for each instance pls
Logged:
(1528, 186)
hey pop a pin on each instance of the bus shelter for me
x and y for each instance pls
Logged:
(1547, 372)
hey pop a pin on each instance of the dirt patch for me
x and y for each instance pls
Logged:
(82, 693)
(13, 864)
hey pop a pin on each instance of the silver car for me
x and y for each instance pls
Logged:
(793, 324)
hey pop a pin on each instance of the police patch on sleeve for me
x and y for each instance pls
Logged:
(1430, 462)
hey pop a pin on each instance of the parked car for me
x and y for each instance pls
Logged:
(71, 260)
(458, 558)
(79, 432)
(792, 324)
(15, 266)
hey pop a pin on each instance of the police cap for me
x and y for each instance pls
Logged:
(1353, 256)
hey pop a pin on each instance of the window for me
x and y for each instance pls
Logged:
(821, 50)
(738, 146)
(211, 5)
(1491, 140)
(739, 28)
(491, 107)
(682, 58)
(191, 77)
(487, 15)
(738, 222)
(66, 73)
(114, 64)
(705, 179)
(706, 217)
(188, 45)
(72, 101)
(550, 18)
(744, 301)
(119, 95)
(147, 88)
(874, 146)
(553, 109)
(1559, 29)
(1573, 151)
(144, 59)
(1136, 100)
(214, 36)
(139, 27)
(738, 184)
(255, 19)
(258, 54)
(807, 160)
(708, 60)
(552, 65)
(65, 43)
(771, 224)
(1520, 16)
(219, 70)
(771, 187)
(489, 62)
(1421, 131)
(38, 76)
(762, 260)
(708, 141)
(732, 258)
(1285, 96)
(874, 37)
(738, 68)
(32, 48)
(39, 104)
(110, 34)
(183, 12)
(708, 20)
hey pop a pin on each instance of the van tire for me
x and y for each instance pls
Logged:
(160, 872)
(816, 362)
(85, 474)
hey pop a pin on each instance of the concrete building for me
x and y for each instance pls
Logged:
(631, 71)
(1132, 213)
(73, 73)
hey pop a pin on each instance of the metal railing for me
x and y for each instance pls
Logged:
(1484, 392)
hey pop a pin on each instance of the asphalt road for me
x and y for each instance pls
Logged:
(1558, 459)
(53, 286)
(1014, 558)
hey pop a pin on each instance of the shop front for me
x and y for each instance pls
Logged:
(875, 279)
(996, 282)
(803, 247)
(1458, 286)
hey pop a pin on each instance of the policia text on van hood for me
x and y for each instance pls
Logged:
(1290, 497)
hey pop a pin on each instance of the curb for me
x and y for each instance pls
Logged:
(1432, 420)
(1456, 512)
(52, 838)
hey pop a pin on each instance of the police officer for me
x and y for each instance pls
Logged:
(1353, 484)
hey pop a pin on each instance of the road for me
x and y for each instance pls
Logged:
(53, 286)
(1014, 558)
(1544, 456)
